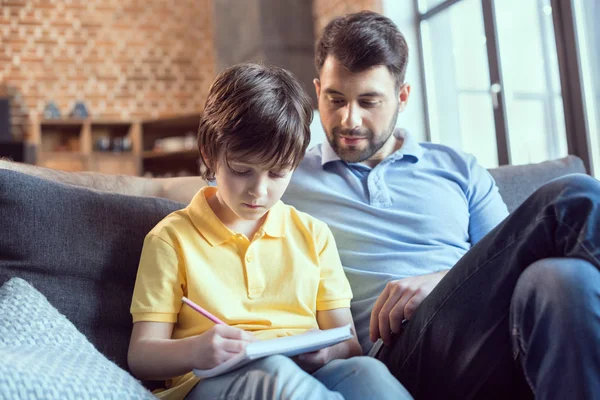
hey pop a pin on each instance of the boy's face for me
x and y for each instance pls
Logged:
(247, 189)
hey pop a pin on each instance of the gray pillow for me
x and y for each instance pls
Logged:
(43, 356)
(80, 248)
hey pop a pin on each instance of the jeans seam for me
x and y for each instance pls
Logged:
(522, 353)
(583, 243)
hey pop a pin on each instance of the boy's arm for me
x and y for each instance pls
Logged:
(333, 319)
(180, 189)
(153, 355)
(329, 319)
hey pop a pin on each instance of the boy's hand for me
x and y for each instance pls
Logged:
(310, 362)
(219, 344)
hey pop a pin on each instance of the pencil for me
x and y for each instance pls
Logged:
(202, 311)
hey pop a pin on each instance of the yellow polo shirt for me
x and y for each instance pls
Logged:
(271, 285)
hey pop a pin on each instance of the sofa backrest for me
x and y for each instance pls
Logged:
(518, 182)
(80, 248)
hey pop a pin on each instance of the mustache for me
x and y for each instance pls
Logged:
(352, 132)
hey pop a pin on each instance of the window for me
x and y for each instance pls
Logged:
(587, 13)
(458, 83)
(502, 78)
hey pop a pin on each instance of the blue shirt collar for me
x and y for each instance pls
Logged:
(410, 148)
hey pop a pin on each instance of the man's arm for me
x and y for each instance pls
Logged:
(178, 189)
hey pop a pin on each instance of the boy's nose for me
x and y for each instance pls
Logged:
(258, 188)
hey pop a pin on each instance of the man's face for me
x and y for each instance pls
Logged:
(359, 110)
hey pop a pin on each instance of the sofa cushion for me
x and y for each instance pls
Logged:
(518, 182)
(80, 248)
(43, 356)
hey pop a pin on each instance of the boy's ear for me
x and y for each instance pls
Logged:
(317, 84)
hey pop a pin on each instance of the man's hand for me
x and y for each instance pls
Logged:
(310, 362)
(398, 301)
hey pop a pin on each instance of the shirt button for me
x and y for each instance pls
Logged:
(249, 258)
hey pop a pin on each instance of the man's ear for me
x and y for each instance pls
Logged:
(317, 84)
(403, 95)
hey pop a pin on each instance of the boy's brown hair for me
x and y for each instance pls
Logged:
(255, 111)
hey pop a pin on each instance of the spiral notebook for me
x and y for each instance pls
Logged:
(288, 346)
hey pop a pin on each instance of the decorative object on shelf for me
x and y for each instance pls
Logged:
(79, 110)
(121, 144)
(102, 144)
(51, 111)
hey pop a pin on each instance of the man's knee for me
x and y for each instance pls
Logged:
(566, 285)
(576, 183)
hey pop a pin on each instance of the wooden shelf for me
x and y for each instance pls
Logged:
(60, 154)
(68, 122)
(166, 154)
(87, 145)
(175, 121)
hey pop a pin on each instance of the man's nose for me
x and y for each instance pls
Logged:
(351, 118)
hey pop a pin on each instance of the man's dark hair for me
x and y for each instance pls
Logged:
(363, 40)
(255, 111)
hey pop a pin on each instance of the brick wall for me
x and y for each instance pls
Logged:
(124, 58)
(325, 10)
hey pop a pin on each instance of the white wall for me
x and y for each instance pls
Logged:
(404, 14)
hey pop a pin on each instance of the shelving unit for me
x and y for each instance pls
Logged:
(182, 161)
(116, 146)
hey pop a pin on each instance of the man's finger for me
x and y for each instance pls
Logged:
(384, 316)
(374, 324)
(396, 314)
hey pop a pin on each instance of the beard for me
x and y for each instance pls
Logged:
(354, 154)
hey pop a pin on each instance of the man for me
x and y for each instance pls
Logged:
(469, 303)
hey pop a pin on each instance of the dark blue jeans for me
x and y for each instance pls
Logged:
(519, 314)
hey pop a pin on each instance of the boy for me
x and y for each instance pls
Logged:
(264, 268)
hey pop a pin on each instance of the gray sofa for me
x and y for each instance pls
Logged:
(80, 247)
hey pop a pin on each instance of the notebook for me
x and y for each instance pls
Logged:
(288, 346)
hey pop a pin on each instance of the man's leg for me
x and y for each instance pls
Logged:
(458, 344)
(361, 378)
(555, 320)
(270, 378)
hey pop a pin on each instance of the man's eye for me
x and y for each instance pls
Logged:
(336, 101)
(368, 104)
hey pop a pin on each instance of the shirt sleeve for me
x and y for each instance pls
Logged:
(486, 207)
(160, 283)
(334, 288)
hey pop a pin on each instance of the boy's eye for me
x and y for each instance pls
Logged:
(240, 173)
(278, 174)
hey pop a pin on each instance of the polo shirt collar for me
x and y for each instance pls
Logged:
(215, 231)
(410, 148)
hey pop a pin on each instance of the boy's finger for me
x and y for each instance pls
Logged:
(231, 332)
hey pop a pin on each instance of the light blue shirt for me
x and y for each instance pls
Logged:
(417, 212)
